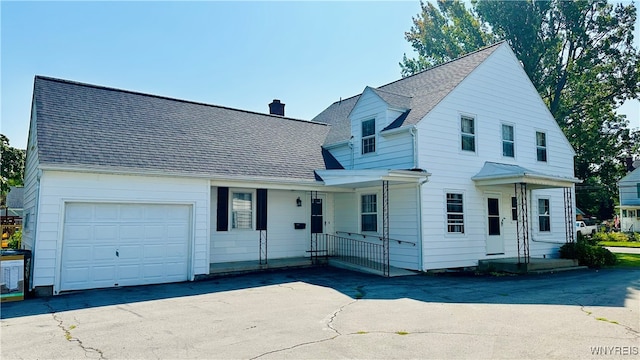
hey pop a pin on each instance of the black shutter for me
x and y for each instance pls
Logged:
(261, 207)
(223, 209)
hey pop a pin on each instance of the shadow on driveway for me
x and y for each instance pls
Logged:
(609, 287)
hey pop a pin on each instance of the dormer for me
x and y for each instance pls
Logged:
(374, 111)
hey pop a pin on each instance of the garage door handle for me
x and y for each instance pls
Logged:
(117, 253)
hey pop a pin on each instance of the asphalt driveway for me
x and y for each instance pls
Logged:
(326, 313)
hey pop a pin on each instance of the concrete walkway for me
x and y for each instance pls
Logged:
(623, 250)
(327, 313)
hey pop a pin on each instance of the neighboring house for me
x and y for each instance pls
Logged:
(629, 189)
(453, 165)
(14, 203)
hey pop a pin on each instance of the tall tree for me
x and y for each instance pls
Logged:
(442, 34)
(12, 171)
(579, 55)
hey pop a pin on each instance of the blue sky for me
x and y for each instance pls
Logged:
(234, 54)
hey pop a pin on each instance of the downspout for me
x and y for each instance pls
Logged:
(414, 145)
(351, 147)
(421, 242)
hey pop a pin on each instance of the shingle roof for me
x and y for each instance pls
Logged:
(87, 126)
(425, 90)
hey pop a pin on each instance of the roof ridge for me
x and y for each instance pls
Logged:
(425, 70)
(448, 62)
(78, 83)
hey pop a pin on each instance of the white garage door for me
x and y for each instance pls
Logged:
(107, 245)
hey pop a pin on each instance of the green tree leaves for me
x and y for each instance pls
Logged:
(12, 171)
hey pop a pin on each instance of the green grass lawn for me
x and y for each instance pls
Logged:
(621, 244)
(628, 260)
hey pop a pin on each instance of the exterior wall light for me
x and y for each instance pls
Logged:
(298, 202)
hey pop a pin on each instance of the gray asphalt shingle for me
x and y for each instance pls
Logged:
(424, 90)
(87, 126)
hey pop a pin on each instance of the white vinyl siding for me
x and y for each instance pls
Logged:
(31, 188)
(283, 239)
(58, 188)
(496, 91)
(392, 151)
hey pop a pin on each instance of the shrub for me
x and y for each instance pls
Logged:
(593, 256)
(634, 237)
(15, 240)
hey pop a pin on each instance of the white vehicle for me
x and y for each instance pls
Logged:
(585, 229)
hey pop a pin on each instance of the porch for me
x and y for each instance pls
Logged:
(337, 251)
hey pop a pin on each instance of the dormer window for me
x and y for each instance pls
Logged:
(369, 136)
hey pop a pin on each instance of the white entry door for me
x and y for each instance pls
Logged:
(495, 239)
(106, 245)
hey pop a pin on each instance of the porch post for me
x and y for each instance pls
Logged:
(522, 222)
(385, 226)
(568, 214)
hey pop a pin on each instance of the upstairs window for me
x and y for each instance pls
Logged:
(241, 211)
(541, 146)
(369, 136)
(455, 214)
(468, 133)
(544, 217)
(508, 142)
(369, 212)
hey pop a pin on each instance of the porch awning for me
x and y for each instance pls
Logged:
(493, 173)
(369, 178)
(629, 204)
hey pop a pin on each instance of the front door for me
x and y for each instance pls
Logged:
(317, 221)
(495, 242)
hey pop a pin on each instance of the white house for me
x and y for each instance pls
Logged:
(442, 169)
(629, 189)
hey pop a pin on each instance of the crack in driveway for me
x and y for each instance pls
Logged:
(67, 334)
(329, 324)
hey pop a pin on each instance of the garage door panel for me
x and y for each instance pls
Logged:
(131, 232)
(103, 253)
(105, 233)
(152, 242)
(79, 233)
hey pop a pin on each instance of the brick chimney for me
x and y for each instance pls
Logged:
(276, 108)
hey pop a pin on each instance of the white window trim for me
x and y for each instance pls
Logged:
(515, 150)
(374, 137)
(475, 133)
(378, 195)
(253, 207)
(464, 213)
(537, 214)
(546, 145)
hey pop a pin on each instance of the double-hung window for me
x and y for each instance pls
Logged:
(468, 133)
(242, 210)
(541, 146)
(508, 141)
(455, 214)
(369, 212)
(544, 217)
(369, 136)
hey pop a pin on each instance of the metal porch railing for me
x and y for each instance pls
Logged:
(357, 252)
